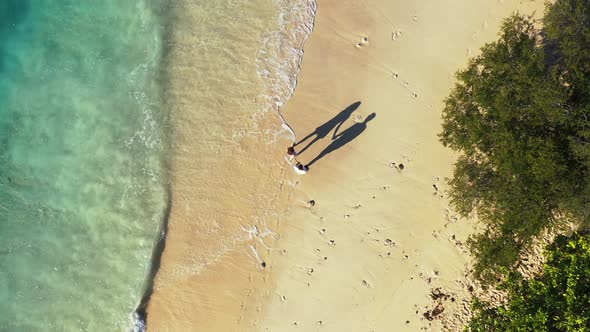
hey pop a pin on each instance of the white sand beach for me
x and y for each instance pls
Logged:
(379, 237)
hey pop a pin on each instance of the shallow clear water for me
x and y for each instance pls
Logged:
(81, 149)
(104, 106)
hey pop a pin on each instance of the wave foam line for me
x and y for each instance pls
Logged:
(138, 318)
(296, 22)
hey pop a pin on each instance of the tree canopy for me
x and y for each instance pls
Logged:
(520, 116)
(557, 300)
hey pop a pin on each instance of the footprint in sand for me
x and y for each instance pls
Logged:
(435, 186)
(399, 167)
(364, 41)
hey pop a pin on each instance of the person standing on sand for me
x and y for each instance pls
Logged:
(300, 168)
(323, 130)
(340, 139)
(291, 153)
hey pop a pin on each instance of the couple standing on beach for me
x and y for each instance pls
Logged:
(292, 155)
(338, 139)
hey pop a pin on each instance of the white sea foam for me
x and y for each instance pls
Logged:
(279, 59)
(137, 323)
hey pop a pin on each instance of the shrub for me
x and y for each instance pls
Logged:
(520, 116)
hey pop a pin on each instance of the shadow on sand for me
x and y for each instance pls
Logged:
(323, 130)
(341, 139)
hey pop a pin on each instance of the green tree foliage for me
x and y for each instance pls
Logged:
(568, 23)
(520, 116)
(557, 300)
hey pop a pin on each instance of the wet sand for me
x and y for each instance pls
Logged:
(225, 171)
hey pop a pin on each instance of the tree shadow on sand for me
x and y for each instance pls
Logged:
(323, 130)
(341, 139)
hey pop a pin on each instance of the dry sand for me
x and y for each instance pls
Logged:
(395, 237)
(368, 254)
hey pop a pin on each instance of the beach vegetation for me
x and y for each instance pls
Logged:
(558, 299)
(519, 115)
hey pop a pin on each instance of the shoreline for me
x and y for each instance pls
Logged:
(313, 8)
(210, 235)
(138, 317)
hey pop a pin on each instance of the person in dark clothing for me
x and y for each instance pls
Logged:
(300, 168)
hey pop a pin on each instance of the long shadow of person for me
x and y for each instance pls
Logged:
(339, 140)
(323, 130)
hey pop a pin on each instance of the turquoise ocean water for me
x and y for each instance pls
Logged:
(82, 144)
